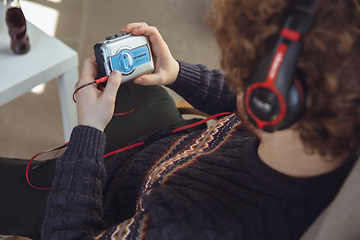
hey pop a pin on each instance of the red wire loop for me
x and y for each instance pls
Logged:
(124, 113)
(101, 80)
(34, 157)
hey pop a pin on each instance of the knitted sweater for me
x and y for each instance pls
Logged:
(209, 184)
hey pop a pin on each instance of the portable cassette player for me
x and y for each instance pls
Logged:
(129, 54)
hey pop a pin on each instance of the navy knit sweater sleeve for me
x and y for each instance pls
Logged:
(74, 207)
(204, 89)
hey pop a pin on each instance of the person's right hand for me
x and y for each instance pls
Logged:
(95, 108)
(166, 67)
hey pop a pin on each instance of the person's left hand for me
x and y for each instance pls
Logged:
(166, 67)
(95, 108)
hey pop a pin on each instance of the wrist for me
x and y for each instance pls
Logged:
(173, 75)
(92, 126)
(86, 141)
(92, 122)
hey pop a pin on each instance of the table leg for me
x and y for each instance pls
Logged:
(66, 83)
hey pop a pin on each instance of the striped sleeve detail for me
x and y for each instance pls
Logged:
(131, 229)
(174, 160)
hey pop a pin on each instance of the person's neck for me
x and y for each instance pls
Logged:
(284, 152)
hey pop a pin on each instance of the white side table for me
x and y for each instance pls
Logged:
(47, 59)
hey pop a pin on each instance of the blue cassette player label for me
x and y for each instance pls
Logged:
(127, 60)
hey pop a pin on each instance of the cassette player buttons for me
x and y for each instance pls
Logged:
(117, 35)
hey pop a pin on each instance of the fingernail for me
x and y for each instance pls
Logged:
(122, 30)
(139, 81)
(116, 73)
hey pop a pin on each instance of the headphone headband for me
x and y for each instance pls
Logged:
(309, 7)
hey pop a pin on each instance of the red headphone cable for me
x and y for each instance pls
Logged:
(149, 140)
(104, 79)
(100, 80)
(42, 164)
(167, 133)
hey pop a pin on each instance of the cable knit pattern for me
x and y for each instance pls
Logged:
(77, 188)
(209, 184)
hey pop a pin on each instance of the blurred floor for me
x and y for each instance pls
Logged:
(32, 123)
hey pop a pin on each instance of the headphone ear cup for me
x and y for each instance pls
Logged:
(295, 102)
(292, 102)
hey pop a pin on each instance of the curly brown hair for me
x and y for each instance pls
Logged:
(330, 61)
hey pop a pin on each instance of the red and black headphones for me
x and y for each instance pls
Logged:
(275, 93)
